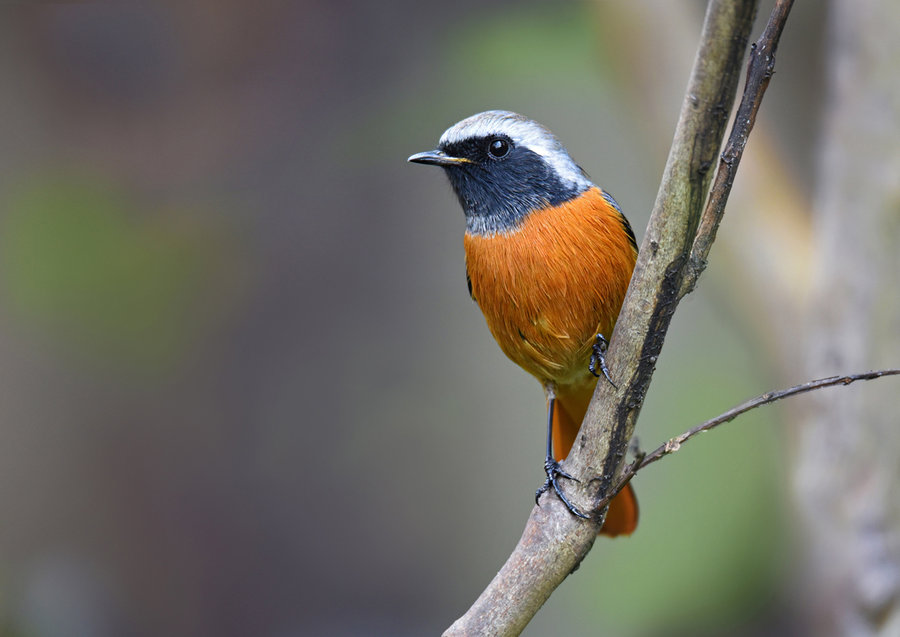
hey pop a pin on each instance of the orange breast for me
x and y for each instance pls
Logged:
(550, 285)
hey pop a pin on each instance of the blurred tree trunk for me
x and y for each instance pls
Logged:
(848, 455)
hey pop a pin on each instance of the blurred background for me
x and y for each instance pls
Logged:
(243, 390)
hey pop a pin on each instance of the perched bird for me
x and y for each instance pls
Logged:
(548, 259)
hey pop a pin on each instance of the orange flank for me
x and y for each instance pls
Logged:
(547, 287)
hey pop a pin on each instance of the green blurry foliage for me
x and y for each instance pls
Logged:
(81, 261)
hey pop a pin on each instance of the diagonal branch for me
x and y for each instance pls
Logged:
(656, 285)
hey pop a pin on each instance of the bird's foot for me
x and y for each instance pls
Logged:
(598, 359)
(554, 473)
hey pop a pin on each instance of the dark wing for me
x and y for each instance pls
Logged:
(625, 225)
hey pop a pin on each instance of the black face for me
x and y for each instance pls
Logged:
(502, 182)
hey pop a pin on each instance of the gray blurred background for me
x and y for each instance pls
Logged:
(243, 390)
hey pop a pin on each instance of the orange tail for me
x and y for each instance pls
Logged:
(622, 517)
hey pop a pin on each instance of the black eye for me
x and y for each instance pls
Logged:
(498, 147)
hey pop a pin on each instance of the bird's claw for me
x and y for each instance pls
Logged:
(554, 472)
(598, 359)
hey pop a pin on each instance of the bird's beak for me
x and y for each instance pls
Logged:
(438, 158)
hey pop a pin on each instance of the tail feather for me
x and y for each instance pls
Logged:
(622, 517)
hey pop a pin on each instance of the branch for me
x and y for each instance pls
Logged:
(759, 72)
(674, 444)
(554, 542)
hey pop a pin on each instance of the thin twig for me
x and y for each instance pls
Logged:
(759, 72)
(674, 444)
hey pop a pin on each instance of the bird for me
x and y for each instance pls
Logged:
(548, 258)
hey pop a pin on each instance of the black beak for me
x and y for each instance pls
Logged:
(438, 158)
